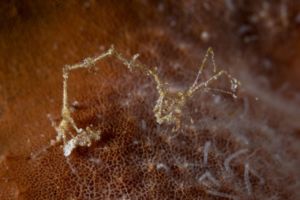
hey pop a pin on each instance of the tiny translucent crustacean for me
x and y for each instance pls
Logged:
(167, 110)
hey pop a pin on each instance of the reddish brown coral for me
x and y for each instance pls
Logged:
(226, 149)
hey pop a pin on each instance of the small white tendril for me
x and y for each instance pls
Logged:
(205, 152)
(247, 172)
(221, 194)
(246, 179)
(233, 156)
(208, 176)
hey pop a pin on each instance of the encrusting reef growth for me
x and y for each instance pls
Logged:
(153, 125)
